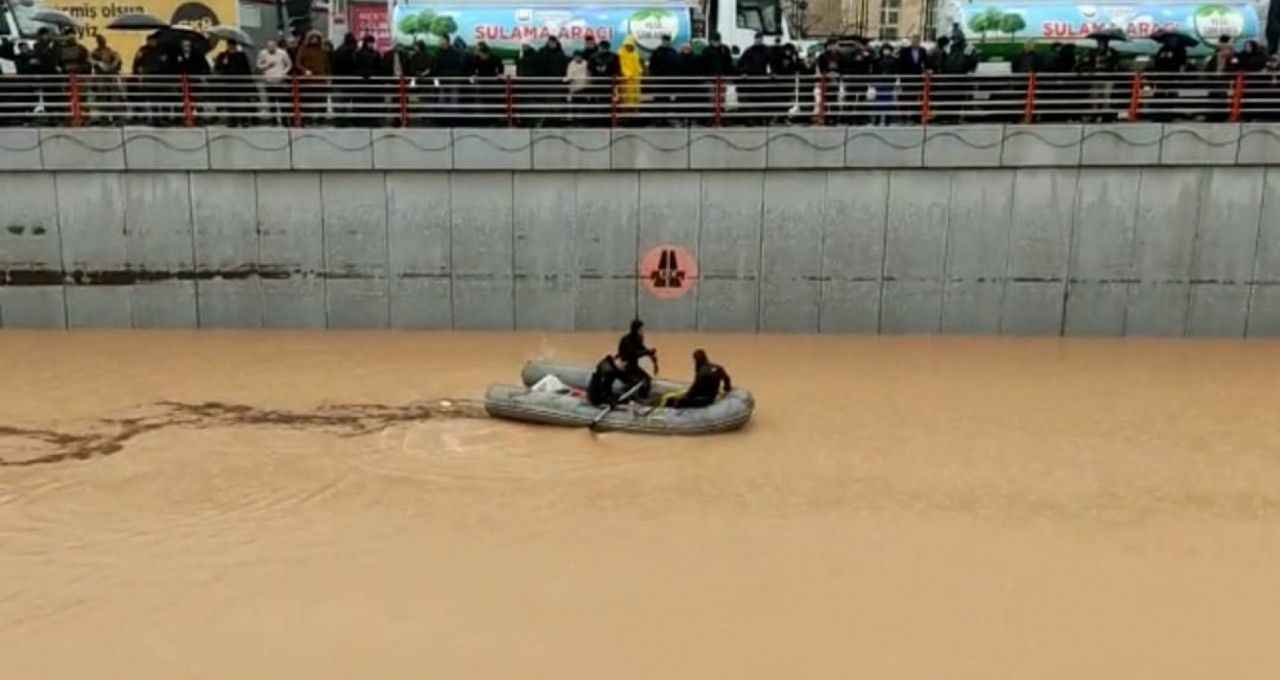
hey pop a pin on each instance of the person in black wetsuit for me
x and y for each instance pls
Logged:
(600, 388)
(707, 379)
(630, 350)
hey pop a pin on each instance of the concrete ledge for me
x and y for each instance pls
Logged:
(650, 149)
(884, 147)
(806, 147)
(331, 148)
(395, 149)
(1121, 144)
(1041, 146)
(82, 148)
(249, 149)
(571, 149)
(728, 149)
(20, 149)
(1259, 144)
(963, 146)
(492, 149)
(166, 148)
(1200, 144)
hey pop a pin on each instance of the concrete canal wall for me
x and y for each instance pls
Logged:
(1075, 230)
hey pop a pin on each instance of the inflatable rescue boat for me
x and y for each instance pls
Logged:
(566, 404)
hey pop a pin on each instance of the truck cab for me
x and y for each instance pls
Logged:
(738, 21)
(13, 27)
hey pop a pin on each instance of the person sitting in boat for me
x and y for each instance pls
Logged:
(707, 380)
(631, 349)
(600, 388)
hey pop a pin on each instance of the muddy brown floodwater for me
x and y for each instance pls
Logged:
(300, 505)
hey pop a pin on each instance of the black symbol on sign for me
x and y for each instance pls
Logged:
(668, 274)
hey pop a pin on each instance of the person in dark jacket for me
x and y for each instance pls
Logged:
(344, 71)
(486, 68)
(753, 88)
(913, 60)
(604, 67)
(450, 69)
(600, 386)
(552, 66)
(23, 99)
(664, 64)
(1171, 57)
(631, 349)
(717, 58)
(232, 68)
(367, 64)
(552, 61)
(708, 379)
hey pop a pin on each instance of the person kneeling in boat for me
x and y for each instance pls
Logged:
(600, 388)
(631, 349)
(707, 380)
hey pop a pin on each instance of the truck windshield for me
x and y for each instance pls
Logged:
(764, 16)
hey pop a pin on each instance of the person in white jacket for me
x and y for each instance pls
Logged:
(274, 65)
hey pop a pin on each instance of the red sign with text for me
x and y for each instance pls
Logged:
(371, 19)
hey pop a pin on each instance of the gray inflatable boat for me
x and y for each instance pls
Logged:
(730, 412)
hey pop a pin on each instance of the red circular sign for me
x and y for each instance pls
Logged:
(669, 271)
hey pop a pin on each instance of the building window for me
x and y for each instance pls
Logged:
(890, 13)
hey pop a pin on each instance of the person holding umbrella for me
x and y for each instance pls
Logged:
(232, 68)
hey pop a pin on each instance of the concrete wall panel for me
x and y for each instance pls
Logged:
(1264, 297)
(32, 307)
(728, 293)
(492, 149)
(92, 223)
(291, 247)
(20, 149)
(166, 148)
(1042, 145)
(82, 148)
(608, 212)
(728, 149)
(1168, 205)
(651, 149)
(331, 148)
(225, 229)
(915, 251)
(546, 255)
(972, 307)
(798, 147)
(158, 222)
(1096, 308)
(1102, 252)
(853, 250)
(355, 240)
(1259, 144)
(670, 213)
(29, 223)
(1032, 308)
(881, 147)
(483, 291)
(977, 250)
(1230, 214)
(1040, 240)
(420, 242)
(250, 149)
(562, 149)
(791, 260)
(412, 149)
(1200, 144)
(1129, 144)
(1264, 312)
(1218, 311)
(963, 146)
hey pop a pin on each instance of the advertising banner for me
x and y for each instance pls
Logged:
(506, 28)
(1017, 22)
(96, 14)
(371, 19)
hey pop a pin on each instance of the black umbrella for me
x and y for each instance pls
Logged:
(232, 34)
(1176, 38)
(1109, 35)
(137, 22)
(55, 17)
(172, 36)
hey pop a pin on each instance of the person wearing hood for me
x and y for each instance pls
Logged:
(447, 74)
(367, 65)
(343, 66)
(486, 68)
(314, 68)
(753, 90)
(604, 67)
(577, 78)
(552, 61)
(632, 70)
(717, 58)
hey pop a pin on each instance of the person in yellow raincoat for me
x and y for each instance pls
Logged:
(632, 72)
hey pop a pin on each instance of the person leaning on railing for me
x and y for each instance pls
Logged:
(233, 72)
(313, 66)
(274, 65)
(105, 90)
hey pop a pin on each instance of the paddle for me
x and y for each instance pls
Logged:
(609, 409)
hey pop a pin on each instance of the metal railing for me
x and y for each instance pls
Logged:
(715, 102)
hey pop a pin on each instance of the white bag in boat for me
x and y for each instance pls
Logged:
(552, 384)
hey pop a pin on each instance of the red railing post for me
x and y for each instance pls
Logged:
(1237, 98)
(820, 106)
(1135, 97)
(1029, 114)
(510, 103)
(717, 101)
(188, 104)
(926, 99)
(77, 111)
(404, 102)
(297, 103)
